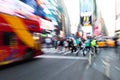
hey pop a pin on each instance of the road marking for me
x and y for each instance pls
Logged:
(107, 67)
(117, 68)
(66, 53)
(87, 66)
(62, 57)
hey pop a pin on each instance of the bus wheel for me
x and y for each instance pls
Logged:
(29, 54)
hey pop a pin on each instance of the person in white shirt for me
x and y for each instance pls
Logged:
(66, 45)
(48, 41)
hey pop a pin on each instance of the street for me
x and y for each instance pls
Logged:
(65, 67)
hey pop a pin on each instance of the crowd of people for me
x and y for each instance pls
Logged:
(73, 44)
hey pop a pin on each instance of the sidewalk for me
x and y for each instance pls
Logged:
(93, 74)
(108, 63)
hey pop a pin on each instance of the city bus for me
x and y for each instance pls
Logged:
(18, 39)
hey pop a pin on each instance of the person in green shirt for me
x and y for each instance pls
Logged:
(94, 44)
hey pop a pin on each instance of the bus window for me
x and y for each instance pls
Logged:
(6, 38)
(1, 39)
(9, 38)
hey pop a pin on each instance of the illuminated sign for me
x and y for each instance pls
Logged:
(86, 20)
(86, 7)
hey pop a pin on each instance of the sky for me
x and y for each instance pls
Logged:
(73, 8)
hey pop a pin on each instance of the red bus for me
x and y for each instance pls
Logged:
(17, 39)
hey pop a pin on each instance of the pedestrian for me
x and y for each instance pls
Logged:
(116, 41)
(48, 41)
(94, 44)
(77, 42)
(80, 43)
(66, 45)
(73, 45)
(55, 43)
(87, 44)
(61, 44)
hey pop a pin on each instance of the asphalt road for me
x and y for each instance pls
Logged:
(108, 62)
(61, 68)
(60, 65)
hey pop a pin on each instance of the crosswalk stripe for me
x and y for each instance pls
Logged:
(62, 57)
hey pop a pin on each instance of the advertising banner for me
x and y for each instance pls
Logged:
(86, 20)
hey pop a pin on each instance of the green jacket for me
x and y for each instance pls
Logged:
(93, 42)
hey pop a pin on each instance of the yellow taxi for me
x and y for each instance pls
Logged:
(110, 43)
(106, 42)
(101, 43)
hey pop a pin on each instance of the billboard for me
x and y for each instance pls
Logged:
(86, 10)
(45, 24)
(87, 29)
(86, 20)
(86, 7)
(16, 7)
